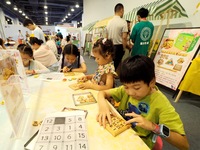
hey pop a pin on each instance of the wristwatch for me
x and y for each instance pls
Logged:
(161, 130)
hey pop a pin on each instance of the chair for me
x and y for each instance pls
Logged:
(159, 144)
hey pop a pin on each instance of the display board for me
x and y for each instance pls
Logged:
(177, 48)
(11, 64)
(15, 105)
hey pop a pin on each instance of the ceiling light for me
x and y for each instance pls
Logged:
(77, 22)
(8, 20)
(46, 17)
(66, 16)
(23, 14)
(46, 12)
(45, 7)
(77, 6)
(15, 8)
(72, 9)
(20, 11)
(46, 23)
(26, 17)
(69, 14)
(8, 2)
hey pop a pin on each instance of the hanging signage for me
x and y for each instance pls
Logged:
(176, 50)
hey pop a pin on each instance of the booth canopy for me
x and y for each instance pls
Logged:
(157, 8)
(102, 23)
(89, 26)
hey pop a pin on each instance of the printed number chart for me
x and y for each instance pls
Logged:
(63, 131)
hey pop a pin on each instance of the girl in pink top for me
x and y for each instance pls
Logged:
(42, 53)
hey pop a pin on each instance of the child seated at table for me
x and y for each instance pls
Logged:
(71, 60)
(31, 66)
(143, 105)
(103, 51)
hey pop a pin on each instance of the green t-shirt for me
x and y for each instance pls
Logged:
(141, 36)
(155, 108)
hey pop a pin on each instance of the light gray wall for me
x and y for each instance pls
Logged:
(98, 10)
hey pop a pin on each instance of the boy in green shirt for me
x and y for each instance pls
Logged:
(143, 105)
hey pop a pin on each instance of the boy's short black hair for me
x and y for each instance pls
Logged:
(143, 12)
(118, 7)
(137, 68)
(27, 22)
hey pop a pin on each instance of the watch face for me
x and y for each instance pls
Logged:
(166, 130)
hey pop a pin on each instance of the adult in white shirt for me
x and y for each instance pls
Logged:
(117, 31)
(36, 31)
(42, 53)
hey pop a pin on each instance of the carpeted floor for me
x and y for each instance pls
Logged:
(188, 108)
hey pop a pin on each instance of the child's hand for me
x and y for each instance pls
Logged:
(105, 113)
(140, 121)
(86, 85)
(82, 79)
(66, 69)
(30, 71)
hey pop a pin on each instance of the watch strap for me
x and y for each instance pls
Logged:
(156, 129)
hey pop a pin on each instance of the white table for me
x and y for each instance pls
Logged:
(52, 96)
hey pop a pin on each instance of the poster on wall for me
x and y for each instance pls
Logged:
(176, 50)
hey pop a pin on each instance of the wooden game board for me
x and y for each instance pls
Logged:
(118, 126)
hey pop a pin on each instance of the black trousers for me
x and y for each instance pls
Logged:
(119, 53)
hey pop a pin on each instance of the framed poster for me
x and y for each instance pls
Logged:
(177, 48)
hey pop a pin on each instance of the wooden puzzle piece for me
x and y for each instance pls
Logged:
(69, 74)
(74, 86)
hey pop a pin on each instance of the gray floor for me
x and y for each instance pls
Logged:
(188, 108)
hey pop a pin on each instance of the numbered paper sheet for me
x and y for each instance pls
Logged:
(66, 131)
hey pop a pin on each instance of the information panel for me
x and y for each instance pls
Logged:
(176, 50)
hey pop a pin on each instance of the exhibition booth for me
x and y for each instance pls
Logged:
(26, 101)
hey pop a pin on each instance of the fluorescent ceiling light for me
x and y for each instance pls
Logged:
(69, 14)
(45, 7)
(23, 14)
(46, 12)
(77, 6)
(15, 8)
(8, 2)
(72, 9)
(20, 11)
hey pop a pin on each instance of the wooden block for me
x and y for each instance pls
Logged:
(74, 86)
(69, 74)
(118, 126)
